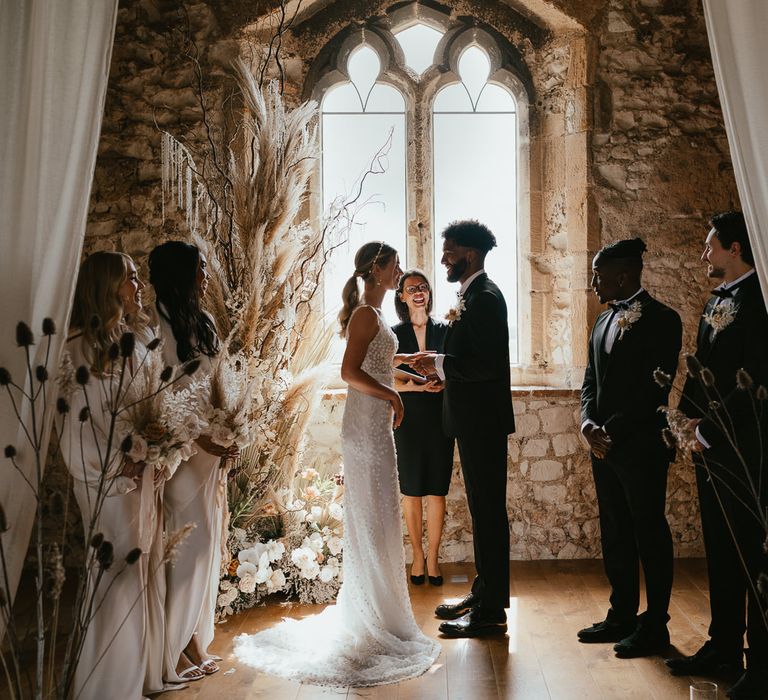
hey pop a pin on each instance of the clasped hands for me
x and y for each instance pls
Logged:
(424, 363)
(599, 440)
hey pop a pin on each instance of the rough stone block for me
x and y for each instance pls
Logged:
(527, 425)
(558, 419)
(550, 493)
(536, 448)
(546, 470)
(565, 444)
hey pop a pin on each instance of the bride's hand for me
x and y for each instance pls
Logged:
(397, 407)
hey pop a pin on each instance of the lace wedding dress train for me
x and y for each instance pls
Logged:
(369, 637)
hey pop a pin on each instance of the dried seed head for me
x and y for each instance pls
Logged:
(62, 406)
(105, 554)
(133, 556)
(127, 344)
(41, 374)
(661, 378)
(82, 375)
(693, 365)
(743, 380)
(24, 337)
(762, 393)
(84, 415)
(153, 344)
(714, 405)
(5, 377)
(669, 438)
(49, 327)
(707, 378)
(96, 540)
(189, 368)
(10, 451)
(126, 444)
(166, 374)
(114, 352)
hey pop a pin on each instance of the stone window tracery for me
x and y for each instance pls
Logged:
(455, 123)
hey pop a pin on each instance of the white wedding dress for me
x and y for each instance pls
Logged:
(369, 637)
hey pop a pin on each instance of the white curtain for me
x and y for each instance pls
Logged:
(737, 39)
(54, 63)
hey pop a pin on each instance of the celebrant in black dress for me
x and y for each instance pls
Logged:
(424, 453)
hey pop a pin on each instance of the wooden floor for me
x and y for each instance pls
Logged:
(540, 658)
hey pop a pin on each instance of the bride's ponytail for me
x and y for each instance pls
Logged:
(350, 297)
(370, 255)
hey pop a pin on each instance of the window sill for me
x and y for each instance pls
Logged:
(517, 392)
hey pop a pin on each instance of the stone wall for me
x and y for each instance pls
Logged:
(550, 493)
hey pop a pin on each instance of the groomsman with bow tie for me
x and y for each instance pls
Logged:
(621, 423)
(728, 408)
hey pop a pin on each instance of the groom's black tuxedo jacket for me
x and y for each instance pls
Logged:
(477, 396)
(619, 391)
(743, 344)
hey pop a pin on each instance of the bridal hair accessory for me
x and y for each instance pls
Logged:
(454, 313)
(627, 315)
(376, 257)
(721, 315)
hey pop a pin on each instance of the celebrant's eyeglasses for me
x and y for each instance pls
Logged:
(412, 289)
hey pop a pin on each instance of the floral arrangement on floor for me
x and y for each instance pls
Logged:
(304, 562)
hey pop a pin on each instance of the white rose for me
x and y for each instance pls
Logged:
(275, 550)
(246, 568)
(303, 556)
(314, 542)
(310, 571)
(252, 554)
(314, 514)
(247, 583)
(335, 545)
(326, 574)
(335, 511)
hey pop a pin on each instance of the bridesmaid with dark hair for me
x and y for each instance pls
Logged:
(424, 453)
(197, 491)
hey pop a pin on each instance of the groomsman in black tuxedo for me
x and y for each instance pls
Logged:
(477, 410)
(733, 335)
(621, 423)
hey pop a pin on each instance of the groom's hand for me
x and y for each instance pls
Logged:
(599, 440)
(424, 363)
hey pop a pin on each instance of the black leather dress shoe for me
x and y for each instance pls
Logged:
(707, 661)
(647, 640)
(753, 685)
(605, 631)
(476, 623)
(457, 610)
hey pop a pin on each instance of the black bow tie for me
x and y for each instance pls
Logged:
(722, 293)
(619, 305)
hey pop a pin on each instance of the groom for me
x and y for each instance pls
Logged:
(477, 410)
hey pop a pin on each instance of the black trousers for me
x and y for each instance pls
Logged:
(631, 498)
(484, 466)
(733, 605)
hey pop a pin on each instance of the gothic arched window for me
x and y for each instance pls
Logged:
(447, 112)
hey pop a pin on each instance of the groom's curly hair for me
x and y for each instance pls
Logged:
(470, 233)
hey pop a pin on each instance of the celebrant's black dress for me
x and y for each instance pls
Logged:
(424, 453)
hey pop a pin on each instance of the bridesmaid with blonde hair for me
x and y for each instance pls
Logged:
(122, 651)
(197, 492)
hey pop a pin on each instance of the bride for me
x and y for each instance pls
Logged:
(369, 637)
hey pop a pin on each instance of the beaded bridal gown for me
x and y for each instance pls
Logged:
(369, 637)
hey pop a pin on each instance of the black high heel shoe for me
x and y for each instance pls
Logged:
(433, 580)
(418, 580)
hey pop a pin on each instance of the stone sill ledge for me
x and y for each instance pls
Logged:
(517, 392)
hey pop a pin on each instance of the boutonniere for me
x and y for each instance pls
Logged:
(626, 317)
(454, 313)
(721, 315)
